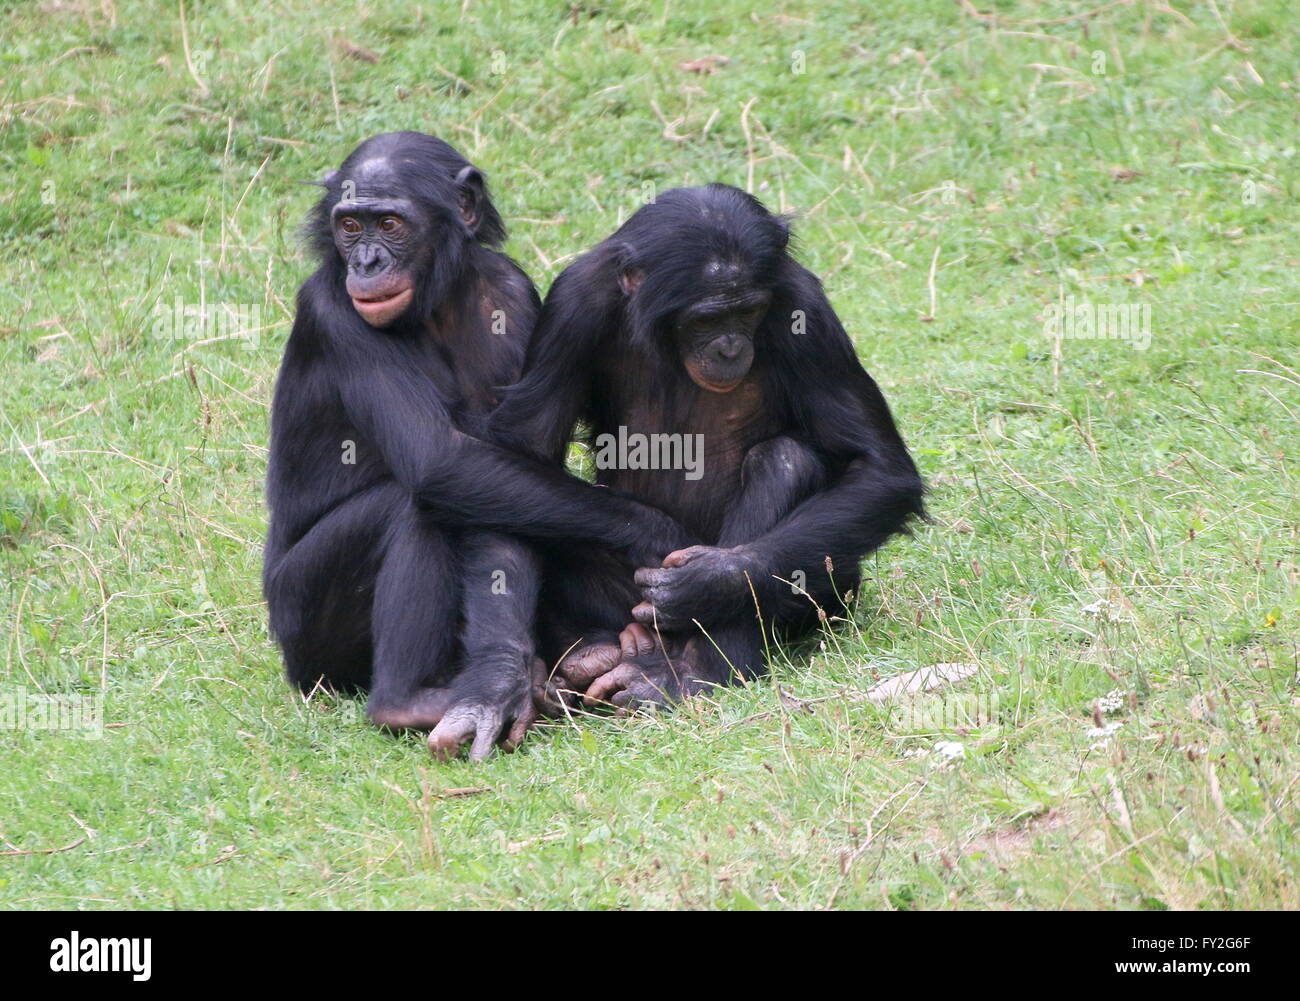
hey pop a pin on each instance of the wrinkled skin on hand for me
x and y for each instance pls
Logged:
(584, 664)
(636, 670)
(647, 681)
(650, 663)
(690, 581)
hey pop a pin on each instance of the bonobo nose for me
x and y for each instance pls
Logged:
(372, 260)
(728, 348)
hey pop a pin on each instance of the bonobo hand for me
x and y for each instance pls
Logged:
(658, 535)
(695, 583)
(495, 690)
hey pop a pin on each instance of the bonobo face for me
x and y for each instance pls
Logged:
(379, 237)
(715, 338)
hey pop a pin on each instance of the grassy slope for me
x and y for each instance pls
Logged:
(1161, 480)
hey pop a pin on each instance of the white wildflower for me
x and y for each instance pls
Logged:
(1102, 734)
(1106, 609)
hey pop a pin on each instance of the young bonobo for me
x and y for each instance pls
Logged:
(393, 562)
(401, 340)
(694, 320)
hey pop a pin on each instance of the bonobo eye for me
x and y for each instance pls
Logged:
(349, 225)
(390, 224)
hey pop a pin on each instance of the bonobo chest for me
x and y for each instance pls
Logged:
(681, 451)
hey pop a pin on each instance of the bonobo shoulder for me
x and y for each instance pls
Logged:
(515, 284)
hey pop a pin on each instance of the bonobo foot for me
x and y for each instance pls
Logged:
(421, 710)
(493, 699)
(650, 678)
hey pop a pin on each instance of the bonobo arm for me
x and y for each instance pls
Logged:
(538, 414)
(840, 412)
(838, 408)
(467, 482)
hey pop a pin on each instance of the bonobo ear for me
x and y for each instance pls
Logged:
(470, 195)
(630, 280)
(783, 229)
(329, 176)
(629, 275)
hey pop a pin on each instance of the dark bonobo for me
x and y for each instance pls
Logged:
(694, 325)
(402, 339)
(399, 557)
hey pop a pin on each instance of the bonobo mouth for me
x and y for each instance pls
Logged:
(716, 385)
(381, 309)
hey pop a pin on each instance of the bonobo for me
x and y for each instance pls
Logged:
(401, 340)
(694, 320)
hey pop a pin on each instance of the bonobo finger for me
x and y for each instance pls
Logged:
(681, 557)
(607, 684)
(651, 577)
(641, 694)
(489, 729)
(543, 690)
(635, 639)
(548, 695)
(584, 665)
(652, 616)
(561, 695)
(650, 613)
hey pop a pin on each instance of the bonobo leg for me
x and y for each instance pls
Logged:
(363, 601)
(711, 585)
(719, 584)
(417, 598)
(494, 688)
(320, 593)
(778, 476)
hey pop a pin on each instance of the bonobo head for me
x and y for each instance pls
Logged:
(715, 334)
(397, 221)
(698, 266)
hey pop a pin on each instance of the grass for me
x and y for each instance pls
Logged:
(1106, 519)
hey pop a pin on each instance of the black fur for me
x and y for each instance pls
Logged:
(385, 573)
(365, 590)
(804, 467)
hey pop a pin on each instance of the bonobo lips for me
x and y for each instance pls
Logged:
(719, 386)
(715, 381)
(379, 309)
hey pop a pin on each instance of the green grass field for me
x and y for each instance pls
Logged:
(1115, 527)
